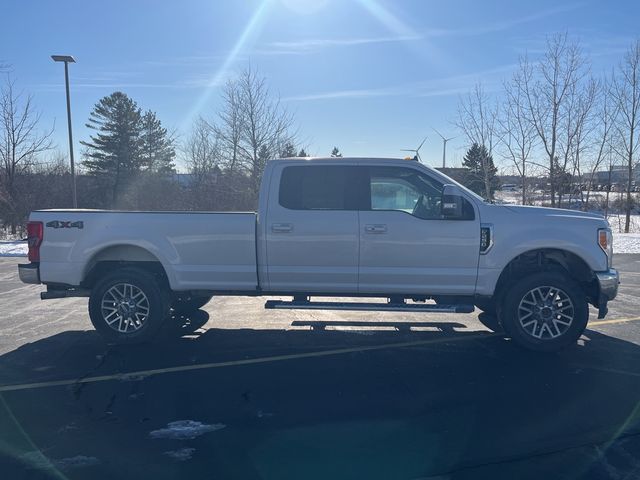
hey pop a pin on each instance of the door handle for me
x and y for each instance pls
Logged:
(378, 228)
(281, 227)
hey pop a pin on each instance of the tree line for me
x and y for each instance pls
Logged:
(129, 160)
(554, 117)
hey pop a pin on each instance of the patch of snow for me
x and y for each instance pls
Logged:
(262, 414)
(43, 368)
(181, 455)
(185, 430)
(76, 462)
(13, 249)
(626, 243)
(68, 428)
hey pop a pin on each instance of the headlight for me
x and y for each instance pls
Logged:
(605, 240)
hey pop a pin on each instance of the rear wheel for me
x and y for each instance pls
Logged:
(545, 311)
(128, 306)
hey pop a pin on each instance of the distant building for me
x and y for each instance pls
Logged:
(619, 174)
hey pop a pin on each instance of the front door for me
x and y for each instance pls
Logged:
(405, 244)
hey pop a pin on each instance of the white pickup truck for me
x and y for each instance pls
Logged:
(327, 227)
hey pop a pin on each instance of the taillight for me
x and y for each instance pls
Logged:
(35, 232)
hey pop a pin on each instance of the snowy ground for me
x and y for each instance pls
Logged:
(13, 249)
(617, 223)
(626, 242)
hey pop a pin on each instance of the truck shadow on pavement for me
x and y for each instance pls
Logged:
(403, 402)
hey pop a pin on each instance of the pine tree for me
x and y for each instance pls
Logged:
(482, 171)
(114, 152)
(288, 150)
(157, 151)
(303, 153)
(335, 152)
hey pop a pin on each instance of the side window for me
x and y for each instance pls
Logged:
(322, 187)
(393, 194)
(405, 190)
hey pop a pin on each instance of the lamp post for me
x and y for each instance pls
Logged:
(67, 59)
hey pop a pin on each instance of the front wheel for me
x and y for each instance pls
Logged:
(128, 306)
(545, 311)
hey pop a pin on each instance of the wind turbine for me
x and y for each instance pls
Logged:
(415, 150)
(444, 147)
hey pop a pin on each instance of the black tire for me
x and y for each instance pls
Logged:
(187, 304)
(146, 306)
(544, 329)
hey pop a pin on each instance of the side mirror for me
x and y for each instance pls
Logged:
(451, 205)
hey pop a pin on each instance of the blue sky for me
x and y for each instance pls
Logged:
(370, 76)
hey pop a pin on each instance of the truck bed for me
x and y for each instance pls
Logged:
(199, 250)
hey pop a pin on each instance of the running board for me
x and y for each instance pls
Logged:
(360, 306)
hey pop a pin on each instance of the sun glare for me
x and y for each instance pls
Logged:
(387, 18)
(305, 7)
(426, 50)
(218, 77)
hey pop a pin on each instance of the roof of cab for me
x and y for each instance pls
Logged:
(352, 160)
(343, 159)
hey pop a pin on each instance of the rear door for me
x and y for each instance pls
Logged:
(405, 244)
(312, 230)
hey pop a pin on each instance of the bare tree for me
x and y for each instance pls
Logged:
(252, 127)
(610, 163)
(477, 118)
(598, 137)
(577, 126)
(228, 126)
(201, 150)
(547, 87)
(517, 135)
(626, 94)
(266, 125)
(20, 141)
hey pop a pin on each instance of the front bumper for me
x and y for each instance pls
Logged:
(609, 282)
(29, 272)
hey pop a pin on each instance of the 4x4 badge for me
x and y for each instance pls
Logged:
(59, 224)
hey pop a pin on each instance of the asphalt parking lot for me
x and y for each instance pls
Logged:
(240, 392)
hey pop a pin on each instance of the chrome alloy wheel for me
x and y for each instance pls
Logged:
(125, 308)
(545, 312)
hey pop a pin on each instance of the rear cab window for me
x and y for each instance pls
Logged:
(322, 187)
